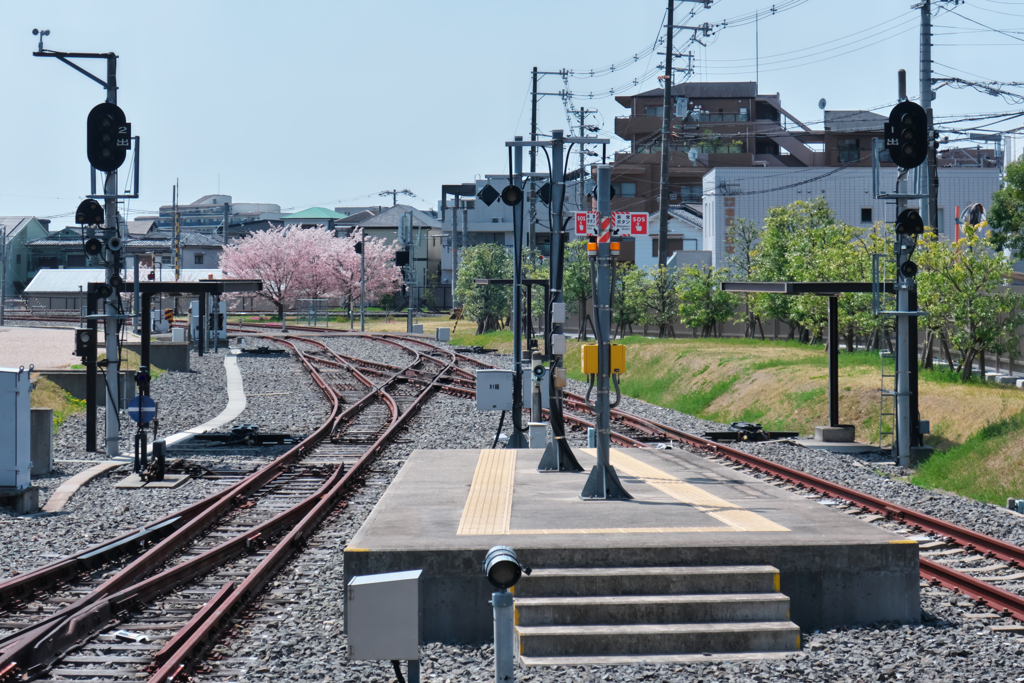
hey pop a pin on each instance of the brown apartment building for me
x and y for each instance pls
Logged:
(726, 125)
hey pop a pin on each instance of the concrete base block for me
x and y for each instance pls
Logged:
(24, 501)
(134, 481)
(165, 355)
(41, 441)
(1020, 384)
(838, 433)
(993, 376)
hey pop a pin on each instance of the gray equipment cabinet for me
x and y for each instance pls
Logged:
(494, 389)
(383, 616)
(15, 426)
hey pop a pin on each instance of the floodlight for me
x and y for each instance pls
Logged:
(502, 567)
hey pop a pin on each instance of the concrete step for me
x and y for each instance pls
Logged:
(621, 660)
(651, 609)
(641, 640)
(648, 581)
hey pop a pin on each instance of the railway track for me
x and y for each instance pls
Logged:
(113, 611)
(121, 612)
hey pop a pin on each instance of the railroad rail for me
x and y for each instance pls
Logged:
(214, 557)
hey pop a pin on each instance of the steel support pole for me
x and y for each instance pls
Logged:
(90, 370)
(113, 424)
(532, 244)
(666, 124)
(517, 439)
(833, 361)
(455, 246)
(503, 636)
(603, 483)
(925, 85)
(362, 282)
(201, 325)
(558, 456)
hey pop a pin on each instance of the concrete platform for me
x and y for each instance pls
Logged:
(836, 446)
(446, 508)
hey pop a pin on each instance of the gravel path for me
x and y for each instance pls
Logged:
(375, 351)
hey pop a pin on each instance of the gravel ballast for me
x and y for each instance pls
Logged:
(308, 643)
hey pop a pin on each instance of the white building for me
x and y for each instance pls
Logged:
(734, 193)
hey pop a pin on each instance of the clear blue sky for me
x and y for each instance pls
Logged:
(325, 103)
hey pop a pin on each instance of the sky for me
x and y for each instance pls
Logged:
(328, 103)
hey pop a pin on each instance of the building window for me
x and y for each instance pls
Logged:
(658, 111)
(865, 215)
(849, 150)
(624, 189)
(495, 220)
(199, 259)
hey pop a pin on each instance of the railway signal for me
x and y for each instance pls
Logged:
(906, 134)
(109, 137)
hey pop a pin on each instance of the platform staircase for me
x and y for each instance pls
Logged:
(597, 616)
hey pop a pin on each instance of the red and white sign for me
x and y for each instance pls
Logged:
(605, 235)
(638, 224)
(586, 222)
(622, 222)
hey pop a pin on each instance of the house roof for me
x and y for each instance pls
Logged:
(12, 225)
(315, 212)
(68, 280)
(389, 218)
(140, 227)
(356, 218)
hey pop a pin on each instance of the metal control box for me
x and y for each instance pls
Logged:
(558, 312)
(16, 428)
(383, 616)
(558, 344)
(528, 387)
(588, 356)
(494, 389)
(443, 334)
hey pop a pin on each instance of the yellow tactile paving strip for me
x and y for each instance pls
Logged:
(489, 506)
(722, 510)
(488, 509)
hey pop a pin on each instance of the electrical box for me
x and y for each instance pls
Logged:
(560, 382)
(16, 426)
(528, 388)
(494, 389)
(417, 329)
(558, 344)
(382, 616)
(443, 334)
(589, 359)
(558, 312)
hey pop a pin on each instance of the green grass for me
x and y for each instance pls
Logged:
(987, 466)
(46, 394)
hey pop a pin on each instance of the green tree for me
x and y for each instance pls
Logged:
(576, 282)
(659, 299)
(627, 304)
(962, 284)
(702, 303)
(488, 305)
(741, 239)
(1006, 215)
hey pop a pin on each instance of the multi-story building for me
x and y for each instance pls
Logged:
(206, 214)
(16, 232)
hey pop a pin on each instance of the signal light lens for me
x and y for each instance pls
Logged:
(511, 195)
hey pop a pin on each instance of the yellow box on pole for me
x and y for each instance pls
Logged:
(588, 357)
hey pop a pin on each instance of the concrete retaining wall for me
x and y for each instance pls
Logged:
(165, 355)
(73, 382)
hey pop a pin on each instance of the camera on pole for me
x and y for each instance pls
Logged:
(906, 134)
(109, 137)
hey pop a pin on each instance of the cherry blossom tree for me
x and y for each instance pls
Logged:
(268, 256)
(382, 275)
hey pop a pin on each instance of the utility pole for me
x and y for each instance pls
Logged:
(603, 483)
(362, 281)
(666, 127)
(394, 195)
(903, 244)
(583, 156)
(177, 232)
(3, 273)
(532, 243)
(455, 246)
(924, 179)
